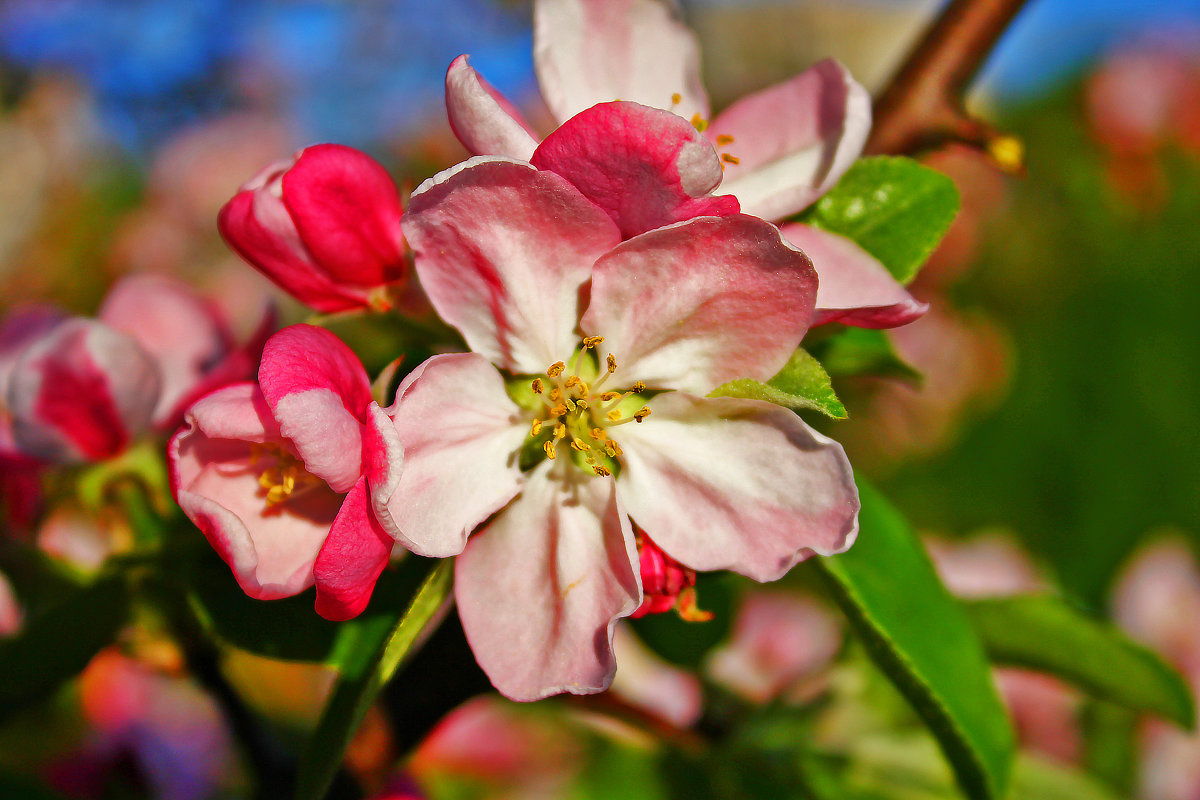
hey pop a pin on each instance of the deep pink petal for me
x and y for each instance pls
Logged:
(483, 119)
(592, 51)
(184, 333)
(700, 303)
(319, 391)
(82, 391)
(502, 250)
(541, 586)
(854, 289)
(259, 229)
(214, 473)
(644, 166)
(353, 556)
(793, 140)
(724, 483)
(346, 209)
(461, 434)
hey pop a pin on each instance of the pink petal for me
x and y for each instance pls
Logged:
(461, 434)
(700, 303)
(346, 209)
(81, 392)
(540, 587)
(483, 119)
(854, 289)
(502, 250)
(351, 559)
(183, 332)
(21, 327)
(644, 166)
(723, 483)
(793, 140)
(259, 229)
(215, 478)
(319, 391)
(383, 455)
(593, 51)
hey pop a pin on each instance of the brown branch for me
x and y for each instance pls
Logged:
(923, 105)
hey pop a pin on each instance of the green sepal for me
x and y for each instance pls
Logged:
(802, 384)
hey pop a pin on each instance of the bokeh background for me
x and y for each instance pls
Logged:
(1060, 363)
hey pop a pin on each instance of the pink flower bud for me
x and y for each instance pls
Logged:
(324, 226)
(81, 392)
(666, 584)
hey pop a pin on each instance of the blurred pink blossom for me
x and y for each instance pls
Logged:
(10, 611)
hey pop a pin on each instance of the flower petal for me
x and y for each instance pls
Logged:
(82, 391)
(258, 227)
(793, 140)
(502, 250)
(644, 166)
(483, 119)
(461, 434)
(346, 209)
(854, 288)
(697, 304)
(540, 588)
(319, 391)
(724, 483)
(184, 333)
(214, 474)
(353, 556)
(592, 51)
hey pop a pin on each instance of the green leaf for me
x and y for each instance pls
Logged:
(56, 645)
(364, 672)
(864, 351)
(923, 641)
(801, 384)
(894, 208)
(1044, 633)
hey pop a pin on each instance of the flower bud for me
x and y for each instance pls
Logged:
(324, 226)
(666, 584)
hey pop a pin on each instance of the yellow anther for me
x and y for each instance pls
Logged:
(536, 386)
(610, 396)
(639, 387)
(676, 99)
(641, 414)
(556, 394)
(537, 428)
(556, 369)
(268, 478)
(578, 444)
(699, 122)
(611, 362)
(551, 453)
(589, 458)
(276, 495)
(616, 450)
(558, 410)
(724, 139)
(613, 415)
(599, 434)
(569, 403)
(591, 341)
(601, 471)
(730, 159)
(560, 430)
(581, 403)
(576, 385)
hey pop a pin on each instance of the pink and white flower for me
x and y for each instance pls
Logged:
(281, 476)
(324, 226)
(610, 347)
(188, 337)
(781, 148)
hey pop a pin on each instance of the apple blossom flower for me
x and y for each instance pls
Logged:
(80, 392)
(187, 336)
(781, 148)
(324, 226)
(281, 476)
(536, 278)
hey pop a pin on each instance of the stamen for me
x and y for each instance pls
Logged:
(591, 341)
(730, 159)
(556, 369)
(639, 387)
(560, 430)
(699, 122)
(537, 428)
(569, 403)
(613, 449)
(558, 411)
(611, 362)
(599, 434)
(613, 415)
(551, 453)
(676, 99)
(600, 471)
(641, 414)
(582, 404)
(724, 139)
(610, 396)
(579, 445)
(536, 386)
(576, 385)
(556, 394)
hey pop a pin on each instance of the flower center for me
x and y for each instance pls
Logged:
(281, 475)
(577, 415)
